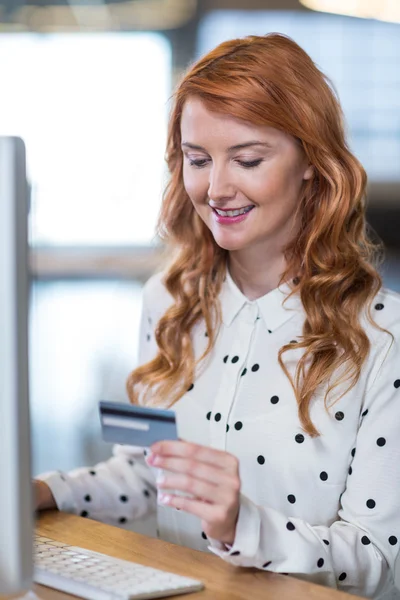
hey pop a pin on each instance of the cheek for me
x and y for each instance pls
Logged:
(195, 185)
(279, 185)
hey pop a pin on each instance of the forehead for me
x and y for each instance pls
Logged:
(201, 126)
(209, 129)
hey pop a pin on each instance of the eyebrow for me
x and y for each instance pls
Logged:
(231, 148)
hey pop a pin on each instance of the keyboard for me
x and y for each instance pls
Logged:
(97, 576)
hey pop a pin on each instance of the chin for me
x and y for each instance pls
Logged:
(229, 244)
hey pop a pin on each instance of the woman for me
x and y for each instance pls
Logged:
(268, 333)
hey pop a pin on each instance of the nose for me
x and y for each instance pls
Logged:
(220, 185)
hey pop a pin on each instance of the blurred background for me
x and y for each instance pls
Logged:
(87, 84)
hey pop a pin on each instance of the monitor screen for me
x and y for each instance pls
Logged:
(16, 514)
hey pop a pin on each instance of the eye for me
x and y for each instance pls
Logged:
(250, 164)
(199, 163)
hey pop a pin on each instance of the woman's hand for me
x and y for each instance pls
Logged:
(42, 496)
(210, 475)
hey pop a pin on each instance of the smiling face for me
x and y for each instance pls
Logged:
(230, 164)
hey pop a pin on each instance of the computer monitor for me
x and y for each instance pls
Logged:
(16, 514)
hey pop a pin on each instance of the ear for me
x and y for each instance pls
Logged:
(309, 172)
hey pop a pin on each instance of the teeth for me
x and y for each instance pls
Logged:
(233, 213)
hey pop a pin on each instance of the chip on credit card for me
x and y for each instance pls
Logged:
(124, 423)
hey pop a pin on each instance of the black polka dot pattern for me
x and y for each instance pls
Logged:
(353, 452)
(203, 535)
(290, 526)
(265, 565)
(365, 540)
(217, 417)
(235, 359)
(238, 426)
(339, 416)
(190, 387)
(299, 438)
(379, 306)
(227, 428)
(88, 498)
(397, 383)
(291, 498)
(148, 337)
(235, 553)
(381, 441)
(243, 372)
(146, 493)
(342, 576)
(122, 520)
(326, 542)
(323, 476)
(260, 460)
(123, 498)
(350, 470)
(320, 562)
(209, 415)
(393, 540)
(226, 358)
(371, 503)
(84, 513)
(92, 472)
(274, 399)
(365, 413)
(255, 368)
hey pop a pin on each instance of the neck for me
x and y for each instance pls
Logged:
(256, 273)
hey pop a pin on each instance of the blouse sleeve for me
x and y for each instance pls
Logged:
(115, 491)
(122, 488)
(357, 552)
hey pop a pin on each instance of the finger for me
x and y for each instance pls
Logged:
(200, 489)
(204, 511)
(212, 456)
(202, 471)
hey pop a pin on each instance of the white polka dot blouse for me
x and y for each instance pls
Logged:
(323, 509)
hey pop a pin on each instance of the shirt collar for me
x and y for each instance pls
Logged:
(270, 307)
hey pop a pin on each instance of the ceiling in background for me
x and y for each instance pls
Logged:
(97, 15)
(156, 15)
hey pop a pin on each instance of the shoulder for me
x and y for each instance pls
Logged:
(385, 310)
(156, 298)
(385, 342)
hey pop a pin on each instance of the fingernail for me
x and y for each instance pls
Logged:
(149, 457)
(163, 498)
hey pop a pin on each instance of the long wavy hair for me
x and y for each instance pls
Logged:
(270, 80)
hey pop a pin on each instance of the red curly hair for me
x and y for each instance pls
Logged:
(270, 80)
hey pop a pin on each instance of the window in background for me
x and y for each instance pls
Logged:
(92, 109)
(362, 59)
(83, 344)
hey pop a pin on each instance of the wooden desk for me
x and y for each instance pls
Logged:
(222, 581)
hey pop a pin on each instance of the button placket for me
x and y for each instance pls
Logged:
(225, 396)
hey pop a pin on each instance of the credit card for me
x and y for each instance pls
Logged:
(136, 425)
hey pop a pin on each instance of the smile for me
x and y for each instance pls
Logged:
(233, 213)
